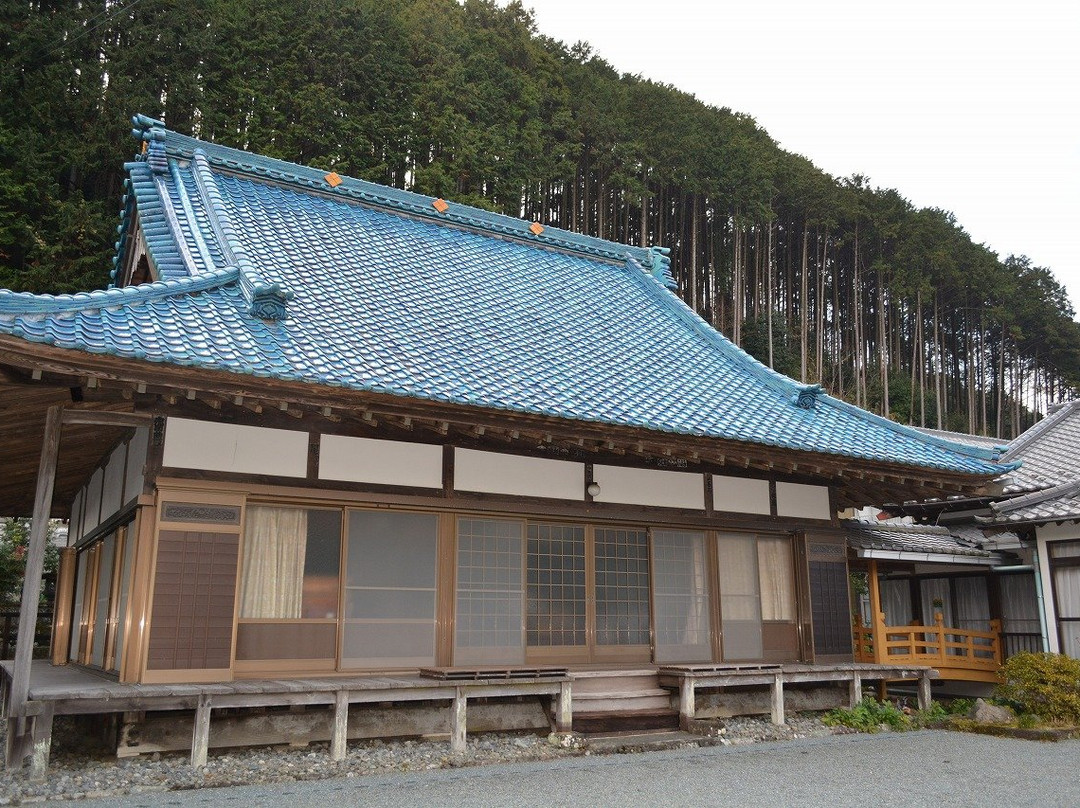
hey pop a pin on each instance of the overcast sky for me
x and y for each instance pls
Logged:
(968, 106)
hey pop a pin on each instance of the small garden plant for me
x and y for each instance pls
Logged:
(869, 715)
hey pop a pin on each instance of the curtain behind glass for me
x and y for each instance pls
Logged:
(896, 602)
(681, 597)
(774, 576)
(972, 605)
(272, 582)
(740, 600)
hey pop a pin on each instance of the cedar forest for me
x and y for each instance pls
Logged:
(828, 280)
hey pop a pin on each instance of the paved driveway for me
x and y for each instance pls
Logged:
(911, 769)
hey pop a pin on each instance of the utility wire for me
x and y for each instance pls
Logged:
(84, 31)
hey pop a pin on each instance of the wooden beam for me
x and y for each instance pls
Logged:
(104, 418)
(35, 561)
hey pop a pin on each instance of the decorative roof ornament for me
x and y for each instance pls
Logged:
(807, 397)
(660, 266)
(152, 133)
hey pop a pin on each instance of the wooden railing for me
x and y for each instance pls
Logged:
(943, 647)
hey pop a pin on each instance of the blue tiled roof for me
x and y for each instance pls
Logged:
(268, 270)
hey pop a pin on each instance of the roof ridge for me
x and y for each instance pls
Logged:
(1066, 489)
(382, 196)
(28, 303)
(266, 300)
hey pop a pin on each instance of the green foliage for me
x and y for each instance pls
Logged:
(869, 715)
(960, 706)
(14, 536)
(1045, 685)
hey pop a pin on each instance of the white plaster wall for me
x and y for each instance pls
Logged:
(233, 448)
(91, 513)
(665, 489)
(381, 462)
(494, 473)
(113, 484)
(740, 495)
(136, 463)
(807, 501)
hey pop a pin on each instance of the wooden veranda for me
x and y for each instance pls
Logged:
(956, 653)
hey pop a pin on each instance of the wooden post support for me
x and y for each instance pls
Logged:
(777, 691)
(564, 717)
(65, 591)
(924, 690)
(687, 702)
(35, 561)
(42, 735)
(457, 721)
(995, 627)
(939, 628)
(200, 736)
(341, 725)
(877, 616)
(855, 689)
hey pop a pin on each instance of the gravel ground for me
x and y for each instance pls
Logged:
(76, 773)
(929, 769)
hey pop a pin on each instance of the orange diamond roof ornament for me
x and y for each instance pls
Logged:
(536, 228)
(440, 205)
(333, 180)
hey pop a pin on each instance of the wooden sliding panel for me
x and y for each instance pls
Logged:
(557, 619)
(390, 590)
(192, 611)
(193, 604)
(65, 592)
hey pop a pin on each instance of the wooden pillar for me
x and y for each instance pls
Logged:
(35, 562)
(564, 717)
(877, 616)
(924, 690)
(855, 689)
(939, 629)
(200, 735)
(687, 702)
(457, 721)
(340, 735)
(42, 741)
(776, 689)
(65, 594)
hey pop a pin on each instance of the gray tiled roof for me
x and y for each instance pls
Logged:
(1049, 452)
(913, 539)
(1059, 503)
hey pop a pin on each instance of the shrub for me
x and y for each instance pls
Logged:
(1046, 685)
(867, 716)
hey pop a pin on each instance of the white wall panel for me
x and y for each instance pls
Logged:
(381, 462)
(113, 484)
(495, 473)
(808, 501)
(92, 511)
(740, 495)
(666, 489)
(233, 448)
(136, 463)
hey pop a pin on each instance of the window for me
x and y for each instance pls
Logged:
(681, 597)
(622, 586)
(488, 624)
(556, 588)
(289, 584)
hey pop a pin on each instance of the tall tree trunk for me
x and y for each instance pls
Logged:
(804, 307)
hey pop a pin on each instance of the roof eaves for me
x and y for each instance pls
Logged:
(14, 304)
(1036, 431)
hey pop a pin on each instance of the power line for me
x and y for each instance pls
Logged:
(85, 31)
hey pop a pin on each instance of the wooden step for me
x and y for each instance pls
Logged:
(590, 682)
(624, 721)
